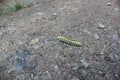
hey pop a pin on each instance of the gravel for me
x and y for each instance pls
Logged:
(29, 49)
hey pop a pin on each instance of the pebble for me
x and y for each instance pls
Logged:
(116, 9)
(1, 33)
(19, 63)
(114, 57)
(37, 46)
(83, 72)
(2, 24)
(111, 67)
(32, 75)
(86, 64)
(75, 24)
(9, 57)
(78, 54)
(102, 53)
(75, 78)
(53, 16)
(87, 31)
(96, 36)
(22, 54)
(98, 65)
(109, 4)
(46, 76)
(101, 26)
(34, 41)
(56, 67)
(97, 50)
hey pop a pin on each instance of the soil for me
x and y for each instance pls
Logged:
(30, 50)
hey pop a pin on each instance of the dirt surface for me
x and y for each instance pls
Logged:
(29, 49)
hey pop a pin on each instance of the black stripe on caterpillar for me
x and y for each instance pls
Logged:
(67, 41)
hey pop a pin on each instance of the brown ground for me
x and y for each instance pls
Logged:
(29, 49)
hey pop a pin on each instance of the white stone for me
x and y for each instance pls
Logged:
(109, 4)
(101, 26)
(34, 41)
(96, 36)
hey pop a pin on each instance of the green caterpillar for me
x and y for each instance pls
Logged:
(67, 41)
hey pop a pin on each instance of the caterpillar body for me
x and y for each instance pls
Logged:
(67, 41)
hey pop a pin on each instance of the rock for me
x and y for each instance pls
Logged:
(37, 46)
(21, 58)
(78, 54)
(98, 65)
(76, 24)
(34, 41)
(9, 57)
(1, 33)
(114, 57)
(87, 31)
(32, 75)
(109, 4)
(55, 66)
(75, 78)
(20, 62)
(111, 67)
(46, 76)
(23, 62)
(2, 24)
(22, 54)
(84, 63)
(101, 26)
(83, 72)
(102, 53)
(53, 16)
(75, 68)
(116, 9)
(96, 36)
(97, 50)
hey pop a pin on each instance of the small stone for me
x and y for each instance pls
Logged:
(32, 75)
(1, 33)
(10, 56)
(2, 24)
(76, 67)
(101, 26)
(53, 16)
(56, 67)
(48, 76)
(96, 36)
(109, 0)
(37, 46)
(86, 64)
(78, 52)
(75, 24)
(101, 53)
(116, 9)
(114, 56)
(34, 41)
(97, 65)
(74, 78)
(87, 31)
(83, 72)
(109, 4)
(111, 67)
(19, 62)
